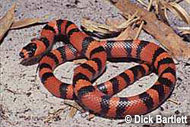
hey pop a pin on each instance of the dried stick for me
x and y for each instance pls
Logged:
(162, 32)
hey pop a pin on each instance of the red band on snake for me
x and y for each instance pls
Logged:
(99, 99)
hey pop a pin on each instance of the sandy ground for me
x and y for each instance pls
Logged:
(24, 102)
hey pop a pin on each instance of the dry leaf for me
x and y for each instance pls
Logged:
(162, 13)
(24, 22)
(114, 22)
(93, 26)
(6, 21)
(181, 12)
(157, 6)
(122, 24)
(131, 20)
(128, 33)
(169, 7)
(177, 10)
(123, 35)
(165, 14)
(117, 26)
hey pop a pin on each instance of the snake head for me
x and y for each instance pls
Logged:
(28, 50)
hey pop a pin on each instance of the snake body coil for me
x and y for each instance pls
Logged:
(99, 99)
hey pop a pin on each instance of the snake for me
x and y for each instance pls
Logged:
(99, 99)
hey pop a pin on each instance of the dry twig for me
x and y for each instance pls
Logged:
(142, 23)
(174, 101)
(54, 115)
(74, 107)
(24, 22)
(6, 21)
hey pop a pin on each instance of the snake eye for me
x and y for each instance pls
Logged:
(31, 48)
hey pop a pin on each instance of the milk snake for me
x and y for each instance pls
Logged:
(99, 99)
